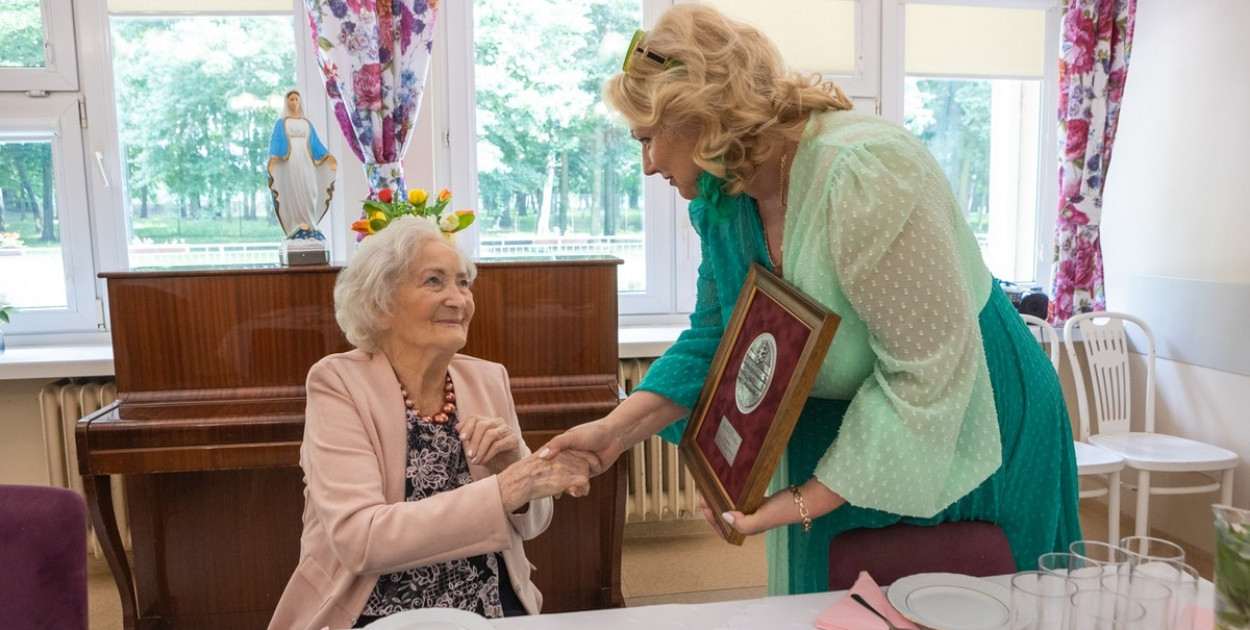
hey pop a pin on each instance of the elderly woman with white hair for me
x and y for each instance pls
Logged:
(418, 486)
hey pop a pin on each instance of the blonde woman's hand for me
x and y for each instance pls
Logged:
(596, 440)
(535, 478)
(489, 442)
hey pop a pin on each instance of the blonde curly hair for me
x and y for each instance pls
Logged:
(728, 81)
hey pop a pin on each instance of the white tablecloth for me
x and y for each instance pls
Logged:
(791, 612)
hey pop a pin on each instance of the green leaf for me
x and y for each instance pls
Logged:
(372, 206)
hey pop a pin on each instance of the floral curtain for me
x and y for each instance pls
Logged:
(374, 55)
(1093, 65)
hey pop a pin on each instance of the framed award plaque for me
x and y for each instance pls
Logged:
(763, 370)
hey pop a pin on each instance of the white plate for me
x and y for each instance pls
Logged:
(432, 619)
(949, 601)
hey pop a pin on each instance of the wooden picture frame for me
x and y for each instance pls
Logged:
(758, 383)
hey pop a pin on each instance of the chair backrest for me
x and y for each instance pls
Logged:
(43, 558)
(1110, 384)
(890, 553)
(1046, 335)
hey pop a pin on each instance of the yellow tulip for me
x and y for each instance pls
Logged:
(417, 196)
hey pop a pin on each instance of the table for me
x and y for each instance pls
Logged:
(787, 612)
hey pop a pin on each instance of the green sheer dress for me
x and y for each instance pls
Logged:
(934, 403)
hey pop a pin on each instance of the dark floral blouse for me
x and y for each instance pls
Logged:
(436, 463)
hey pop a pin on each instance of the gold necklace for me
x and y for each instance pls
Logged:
(783, 183)
(785, 203)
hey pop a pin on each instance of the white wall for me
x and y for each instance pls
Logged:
(1176, 205)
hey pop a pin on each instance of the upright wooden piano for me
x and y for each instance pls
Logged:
(206, 429)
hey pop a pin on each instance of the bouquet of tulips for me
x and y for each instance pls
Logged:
(379, 214)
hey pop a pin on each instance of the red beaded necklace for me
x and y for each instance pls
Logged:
(449, 404)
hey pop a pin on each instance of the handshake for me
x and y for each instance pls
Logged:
(562, 466)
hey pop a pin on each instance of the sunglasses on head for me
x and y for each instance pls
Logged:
(636, 49)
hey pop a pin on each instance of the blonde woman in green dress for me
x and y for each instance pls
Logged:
(935, 403)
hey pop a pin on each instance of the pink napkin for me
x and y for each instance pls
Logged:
(848, 614)
(1200, 617)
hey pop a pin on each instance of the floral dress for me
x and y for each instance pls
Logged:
(436, 463)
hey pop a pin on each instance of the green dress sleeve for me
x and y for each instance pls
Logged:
(729, 236)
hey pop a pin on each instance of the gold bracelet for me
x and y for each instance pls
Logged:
(803, 513)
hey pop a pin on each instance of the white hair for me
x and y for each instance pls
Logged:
(365, 289)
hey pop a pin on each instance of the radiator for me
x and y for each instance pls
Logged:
(63, 403)
(660, 487)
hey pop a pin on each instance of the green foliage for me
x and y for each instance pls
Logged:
(27, 193)
(5, 311)
(952, 118)
(545, 141)
(170, 228)
(1232, 576)
(21, 30)
(197, 98)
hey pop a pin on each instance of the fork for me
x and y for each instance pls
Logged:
(863, 602)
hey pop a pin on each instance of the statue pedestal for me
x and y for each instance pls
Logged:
(302, 250)
(293, 257)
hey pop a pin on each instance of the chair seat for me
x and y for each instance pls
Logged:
(890, 553)
(1094, 460)
(1159, 452)
(43, 558)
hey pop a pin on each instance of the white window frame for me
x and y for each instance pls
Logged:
(666, 291)
(894, 74)
(41, 104)
(60, 71)
(55, 119)
(107, 194)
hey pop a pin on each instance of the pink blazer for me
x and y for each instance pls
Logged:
(357, 525)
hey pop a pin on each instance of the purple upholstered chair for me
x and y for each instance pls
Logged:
(972, 548)
(43, 558)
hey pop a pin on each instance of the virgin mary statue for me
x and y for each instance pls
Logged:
(301, 173)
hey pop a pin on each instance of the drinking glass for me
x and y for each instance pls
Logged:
(1084, 572)
(1114, 558)
(1039, 600)
(1103, 552)
(1148, 549)
(1154, 596)
(1185, 596)
(1103, 610)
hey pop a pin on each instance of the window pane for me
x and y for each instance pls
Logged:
(21, 30)
(984, 134)
(197, 98)
(32, 272)
(557, 173)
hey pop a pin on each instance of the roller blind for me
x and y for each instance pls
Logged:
(813, 35)
(953, 41)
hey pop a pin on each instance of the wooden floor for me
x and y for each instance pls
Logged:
(662, 563)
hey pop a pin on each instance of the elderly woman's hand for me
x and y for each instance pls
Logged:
(489, 442)
(535, 478)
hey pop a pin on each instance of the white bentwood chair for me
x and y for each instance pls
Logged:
(1097, 468)
(1106, 422)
